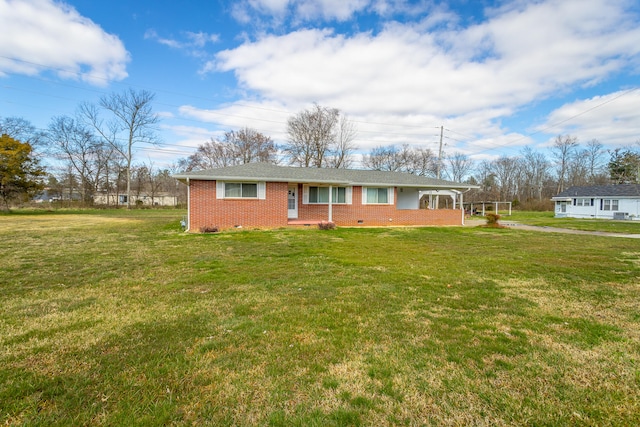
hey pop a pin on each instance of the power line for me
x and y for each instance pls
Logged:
(554, 125)
(182, 94)
(254, 107)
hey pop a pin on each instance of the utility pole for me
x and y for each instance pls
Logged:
(439, 154)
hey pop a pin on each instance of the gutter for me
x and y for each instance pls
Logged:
(324, 181)
(188, 228)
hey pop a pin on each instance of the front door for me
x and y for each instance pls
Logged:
(293, 202)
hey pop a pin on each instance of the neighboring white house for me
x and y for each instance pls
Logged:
(621, 201)
(113, 199)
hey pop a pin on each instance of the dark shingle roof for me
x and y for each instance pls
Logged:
(619, 190)
(273, 173)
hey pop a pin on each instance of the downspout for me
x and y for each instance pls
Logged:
(188, 205)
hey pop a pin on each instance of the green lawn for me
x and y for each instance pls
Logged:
(119, 318)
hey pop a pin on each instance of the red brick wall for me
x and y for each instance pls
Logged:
(206, 210)
(377, 215)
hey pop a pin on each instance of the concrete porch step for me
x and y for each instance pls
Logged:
(306, 222)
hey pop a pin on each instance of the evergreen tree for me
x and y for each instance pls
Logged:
(20, 174)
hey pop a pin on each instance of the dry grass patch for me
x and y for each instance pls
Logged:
(126, 320)
(35, 223)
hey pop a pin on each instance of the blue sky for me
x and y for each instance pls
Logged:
(498, 75)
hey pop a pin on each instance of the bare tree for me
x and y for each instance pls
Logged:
(534, 172)
(251, 146)
(423, 162)
(459, 165)
(22, 130)
(212, 154)
(72, 142)
(382, 159)
(578, 168)
(563, 149)
(413, 160)
(319, 138)
(489, 188)
(596, 161)
(506, 171)
(235, 148)
(340, 156)
(139, 180)
(155, 181)
(132, 120)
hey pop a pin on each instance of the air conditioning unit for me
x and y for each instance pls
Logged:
(620, 215)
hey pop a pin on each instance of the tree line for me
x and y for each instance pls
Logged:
(91, 152)
(94, 153)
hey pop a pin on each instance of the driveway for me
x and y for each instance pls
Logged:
(514, 224)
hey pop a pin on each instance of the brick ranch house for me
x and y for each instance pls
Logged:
(269, 196)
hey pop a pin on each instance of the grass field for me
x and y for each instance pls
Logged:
(119, 318)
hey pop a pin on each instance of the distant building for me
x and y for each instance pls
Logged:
(144, 199)
(50, 195)
(621, 201)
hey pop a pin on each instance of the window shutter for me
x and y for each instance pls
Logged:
(305, 194)
(262, 190)
(347, 195)
(219, 189)
(390, 193)
(364, 195)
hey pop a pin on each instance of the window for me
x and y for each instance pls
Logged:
(321, 195)
(240, 190)
(609, 205)
(123, 199)
(583, 202)
(376, 195)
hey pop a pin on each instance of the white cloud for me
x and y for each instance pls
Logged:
(189, 137)
(191, 41)
(505, 62)
(200, 39)
(434, 71)
(340, 10)
(301, 11)
(612, 119)
(46, 35)
(268, 118)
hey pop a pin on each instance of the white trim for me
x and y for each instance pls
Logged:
(292, 213)
(188, 206)
(261, 189)
(347, 194)
(390, 195)
(219, 189)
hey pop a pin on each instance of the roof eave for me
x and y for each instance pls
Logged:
(183, 178)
